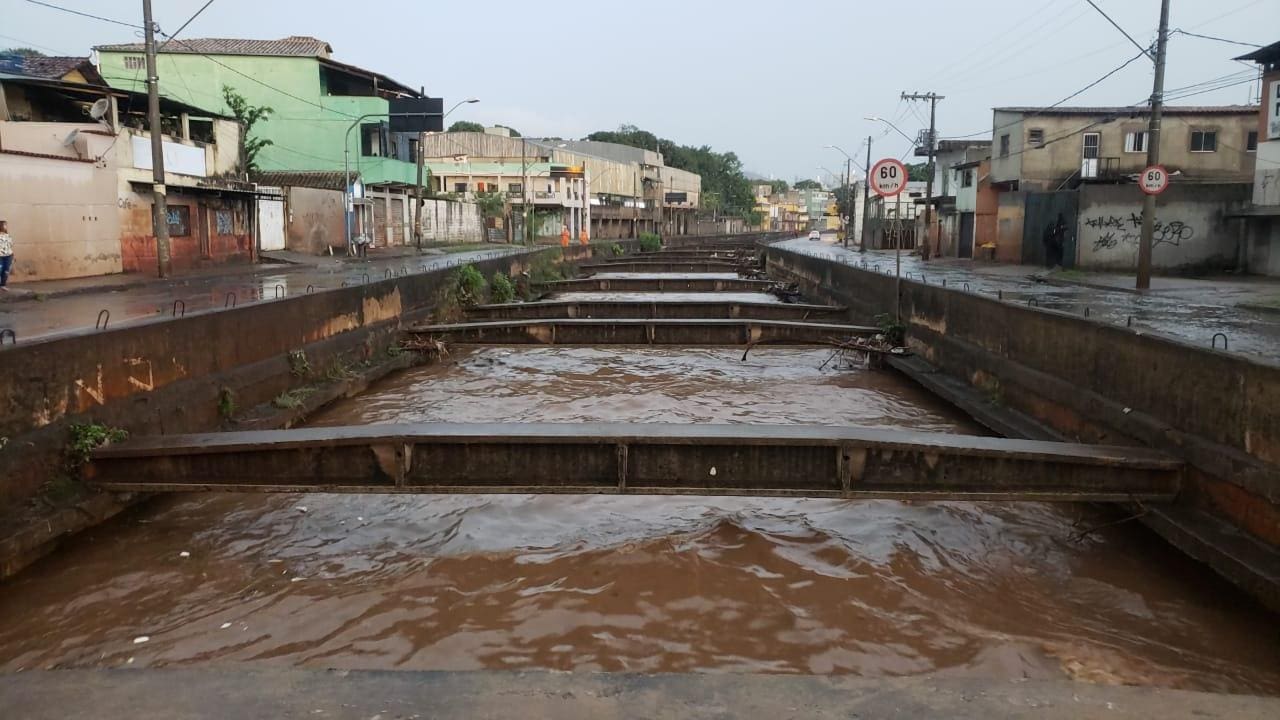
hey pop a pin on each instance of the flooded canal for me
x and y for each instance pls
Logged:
(649, 584)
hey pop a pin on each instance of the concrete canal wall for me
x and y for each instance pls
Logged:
(178, 375)
(1099, 383)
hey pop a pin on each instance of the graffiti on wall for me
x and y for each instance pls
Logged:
(1116, 230)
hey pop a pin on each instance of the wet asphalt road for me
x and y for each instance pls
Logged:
(70, 314)
(1194, 321)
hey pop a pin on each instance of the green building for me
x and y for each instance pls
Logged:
(315, 101)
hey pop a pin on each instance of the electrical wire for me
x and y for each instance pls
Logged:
(1116, 25)
(1073, 95)
(1180, 31)
(85, 14)
(184, 25)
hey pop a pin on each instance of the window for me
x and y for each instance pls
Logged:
(371, 140)
(1135, 142)
(1035, 136)
(1251, 141)
(480, 187)
(179, 221)
(460, 187)
(515, 188)
(1204, 141)
(134, 62)
(966, 178)
(1004, 145)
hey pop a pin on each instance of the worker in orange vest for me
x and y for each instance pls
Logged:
(564, 236)
(582, 236)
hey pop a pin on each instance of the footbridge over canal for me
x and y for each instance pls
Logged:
(693, 298)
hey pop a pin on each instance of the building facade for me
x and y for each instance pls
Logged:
(1262, 216)
(77, 193)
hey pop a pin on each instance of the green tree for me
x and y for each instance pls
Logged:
(514, 132)
(248, 115)
(466, 126)
(724, 185)
(918, 172)
(808, 185)
(779, 186)
(492, 203)
(23, 51)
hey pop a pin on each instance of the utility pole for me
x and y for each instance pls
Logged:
(1153, 151)
(524, 192)
(159, 200)
(933, 99)
(848, 200)
(417, 194)
(866, 200)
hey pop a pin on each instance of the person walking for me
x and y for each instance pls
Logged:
(6, 255)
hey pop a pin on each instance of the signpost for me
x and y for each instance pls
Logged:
(1154, 180)
(888, 178)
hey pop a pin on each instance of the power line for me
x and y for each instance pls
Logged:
(28, 43)
(85, 14)
(1116, 25)
(1090, 86)
(184, 25)
(1180, 31)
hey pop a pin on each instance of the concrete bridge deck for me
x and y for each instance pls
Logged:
(657, 283)
(642, 331)
(566, 308)
(757, 460)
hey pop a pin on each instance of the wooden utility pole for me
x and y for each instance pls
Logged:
(417, 193)
(159, 200)
(933, 99)
(866, 200)
(1153, 151)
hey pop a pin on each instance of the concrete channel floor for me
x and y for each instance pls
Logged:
(1189, 310)
(190, 694)
(74, 309)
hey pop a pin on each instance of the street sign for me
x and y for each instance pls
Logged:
(888, 177)
(1154, 180)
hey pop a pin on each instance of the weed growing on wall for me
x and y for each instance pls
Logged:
(87, 437)
(650, 242)
(469, 285)
(500, 289)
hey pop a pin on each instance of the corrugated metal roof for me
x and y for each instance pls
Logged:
(1267, 54)
(293, 46)
(1135, 110)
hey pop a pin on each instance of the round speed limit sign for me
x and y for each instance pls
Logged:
(888, 177)
(1154, 180)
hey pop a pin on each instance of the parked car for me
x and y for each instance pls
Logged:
(815, 235)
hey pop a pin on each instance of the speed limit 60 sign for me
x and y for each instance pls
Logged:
(1154, 180)
(888, 177)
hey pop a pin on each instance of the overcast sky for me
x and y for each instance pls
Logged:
(773, 81)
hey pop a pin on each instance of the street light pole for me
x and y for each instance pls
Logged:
(417, 203)
(346, 161)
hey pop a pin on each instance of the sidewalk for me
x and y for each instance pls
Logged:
(1188, 309)
(56, 307)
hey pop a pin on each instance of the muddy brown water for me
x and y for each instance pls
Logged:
(995, 590)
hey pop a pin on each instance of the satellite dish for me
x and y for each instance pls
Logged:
(100, 110)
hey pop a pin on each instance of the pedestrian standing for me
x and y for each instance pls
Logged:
(6, 255)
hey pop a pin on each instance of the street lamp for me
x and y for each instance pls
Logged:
(417, 188)
(873, 118)
(849, 162)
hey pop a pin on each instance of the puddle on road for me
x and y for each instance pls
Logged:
(638, 583)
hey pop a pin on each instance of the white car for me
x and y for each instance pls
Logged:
(815, 235)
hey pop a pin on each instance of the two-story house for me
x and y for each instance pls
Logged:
(75, 165)
(954, 231)
(1078, 166)
(326, 115)
(1262, 217)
